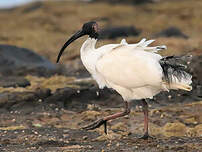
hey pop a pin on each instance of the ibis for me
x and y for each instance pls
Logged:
(135, 71)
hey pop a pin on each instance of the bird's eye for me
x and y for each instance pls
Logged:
(95, 28)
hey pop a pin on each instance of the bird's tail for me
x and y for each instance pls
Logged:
(174, 71)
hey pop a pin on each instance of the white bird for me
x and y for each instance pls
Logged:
(135, 71)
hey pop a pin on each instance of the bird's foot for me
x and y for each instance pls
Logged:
(146, 136)
(97, 124)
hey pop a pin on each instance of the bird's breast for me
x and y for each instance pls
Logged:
(89, 60)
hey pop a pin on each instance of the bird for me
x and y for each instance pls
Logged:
(135, 71)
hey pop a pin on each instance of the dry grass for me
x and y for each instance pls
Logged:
(46, 29)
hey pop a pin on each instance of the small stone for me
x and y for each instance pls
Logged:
(162, 115)
(66, 131)
(33, 148)
(85, 137)
(65, 135)
(36, 133)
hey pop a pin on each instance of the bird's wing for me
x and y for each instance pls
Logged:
(128, 68)
(143, 45)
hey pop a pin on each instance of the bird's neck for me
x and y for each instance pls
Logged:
(88, 45)
(89, 55)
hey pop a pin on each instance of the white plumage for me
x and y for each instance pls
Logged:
(133, 70)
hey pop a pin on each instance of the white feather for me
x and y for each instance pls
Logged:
(133, 70)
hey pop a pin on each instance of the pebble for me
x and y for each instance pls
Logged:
(85, 137)
(66, 131)
(136, 147)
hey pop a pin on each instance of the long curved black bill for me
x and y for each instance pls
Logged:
(73, 38)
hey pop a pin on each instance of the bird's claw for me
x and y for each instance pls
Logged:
(97, 124)
(146, 136)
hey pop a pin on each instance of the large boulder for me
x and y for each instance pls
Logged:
(171, 32)
(13, 81)
(21, 61)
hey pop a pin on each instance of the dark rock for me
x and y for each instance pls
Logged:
(21, 61)
(8, 99)
(42, 93)
(122, 31)
(13, 82)
(78, 99)
(75, 68)
(196, 69)
(171, 32)
(199, 91)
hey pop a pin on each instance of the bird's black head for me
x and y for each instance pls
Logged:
(89, 28)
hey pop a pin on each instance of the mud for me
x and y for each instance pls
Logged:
(51, 121)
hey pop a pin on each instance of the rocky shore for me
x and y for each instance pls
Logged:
(43, 105)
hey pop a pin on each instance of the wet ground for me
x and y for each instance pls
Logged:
(53, 124)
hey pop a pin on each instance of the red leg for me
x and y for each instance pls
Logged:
(145, 110)
(119, 114)
(104, 120)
